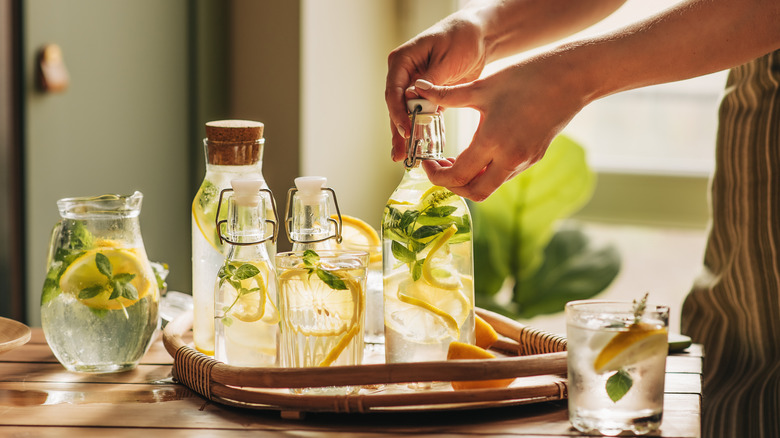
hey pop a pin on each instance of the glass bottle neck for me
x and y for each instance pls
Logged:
(427, 139)
(310, 225)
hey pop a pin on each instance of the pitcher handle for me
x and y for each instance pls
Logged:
(53, 239)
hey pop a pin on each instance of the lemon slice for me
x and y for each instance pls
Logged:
(204, 211)
(358, 235)
(338, 311)
(83, 273)
(257, 304)
(432, 270)
(460, 350)
(435, 195)
(639, 342)
(422, 309)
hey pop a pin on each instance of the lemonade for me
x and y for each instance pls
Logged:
(428, 280)
(99, 306)
(234, 149)
(616, 366)
(322, 305)
(246, 318)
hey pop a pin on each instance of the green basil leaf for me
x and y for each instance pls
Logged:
(129, 291)
(331, 280)
(247, 270)
(310, 258)
(117, 290)
(618, 385)
(442, 211)
(402, 253)
(444, 222)
(90, 292)
(426, 231)
(408, 218)
(80, 237)
(417, 270)
(103, 264)
(123, 277)
(227, 321)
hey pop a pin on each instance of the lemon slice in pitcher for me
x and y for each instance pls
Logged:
(641, 341)
(84, 274)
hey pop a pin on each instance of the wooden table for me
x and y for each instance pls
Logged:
(38, 397)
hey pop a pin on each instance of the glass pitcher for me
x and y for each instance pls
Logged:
(99, 306)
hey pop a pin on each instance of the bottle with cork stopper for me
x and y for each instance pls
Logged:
(234, 150)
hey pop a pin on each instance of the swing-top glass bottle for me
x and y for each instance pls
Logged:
(427, 254)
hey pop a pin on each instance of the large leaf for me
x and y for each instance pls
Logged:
(513, 226)
(572, 270)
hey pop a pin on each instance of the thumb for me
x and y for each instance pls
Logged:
(456, 96)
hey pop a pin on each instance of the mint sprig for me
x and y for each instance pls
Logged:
(312, 264)
(234, 274)
(120, 284)
(619, 383)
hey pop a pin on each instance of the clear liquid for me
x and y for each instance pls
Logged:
(207, 254)
(246, 331)
(320, 323)
(415, 327)
(590, 408)
(86, 340)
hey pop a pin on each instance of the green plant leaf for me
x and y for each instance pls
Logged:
(513, 228)
(618, 385)
(245, 271)
(331, 280)
(572, 269)
(90, 292)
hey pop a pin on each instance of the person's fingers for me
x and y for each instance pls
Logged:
(461, 171)
(462, 96)
(398, 79)
(398, 148)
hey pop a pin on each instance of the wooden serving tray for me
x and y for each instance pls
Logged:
(536, 359)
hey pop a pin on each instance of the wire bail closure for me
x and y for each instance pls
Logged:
(411, 146)
(289, 219)
(274, 222)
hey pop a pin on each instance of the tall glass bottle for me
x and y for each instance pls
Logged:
(234, 149)
(426, 253)
(313, 217)
(246, 315)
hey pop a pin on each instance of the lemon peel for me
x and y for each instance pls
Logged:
(461, 350)
(485, 335)
(639, 342)
(449, 321)
(427, 266)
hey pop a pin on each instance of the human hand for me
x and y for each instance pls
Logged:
(522, 108)
(451, 52)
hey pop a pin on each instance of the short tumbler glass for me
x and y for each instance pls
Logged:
(617, 363)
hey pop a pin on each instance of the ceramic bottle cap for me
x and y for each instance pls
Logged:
(246, 192)
(427, 106)
(310, 189)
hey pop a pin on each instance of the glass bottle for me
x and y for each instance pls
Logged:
(426, 253)
(100, 301)
(246, 315)
(234, 149)
(313, 217)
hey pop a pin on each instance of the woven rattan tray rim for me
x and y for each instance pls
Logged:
(539, 364)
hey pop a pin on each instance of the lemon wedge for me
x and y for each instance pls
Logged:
(639, 342)
(461, 350)
(83, 273)
(485, 335)
(255, 305)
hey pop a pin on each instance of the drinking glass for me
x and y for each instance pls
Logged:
(322, 308)
(616, 361)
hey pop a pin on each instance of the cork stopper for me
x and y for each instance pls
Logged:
(234, 142)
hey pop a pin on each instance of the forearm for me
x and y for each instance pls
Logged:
(694, 38)
(513, 26)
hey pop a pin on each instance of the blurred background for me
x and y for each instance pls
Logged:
(143, 76)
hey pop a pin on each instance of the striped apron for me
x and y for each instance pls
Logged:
(734, 306)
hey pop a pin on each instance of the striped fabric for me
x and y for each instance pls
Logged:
(734, 307)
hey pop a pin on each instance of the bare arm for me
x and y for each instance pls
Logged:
(455, 50)
(525, 105)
